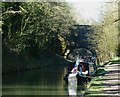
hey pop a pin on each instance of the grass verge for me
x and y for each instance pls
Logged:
(93, 88)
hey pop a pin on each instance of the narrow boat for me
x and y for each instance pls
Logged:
(83, 65)
(88, 71)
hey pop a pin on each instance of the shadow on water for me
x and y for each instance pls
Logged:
(48, 81)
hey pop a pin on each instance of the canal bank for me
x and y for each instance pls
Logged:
(106, 85)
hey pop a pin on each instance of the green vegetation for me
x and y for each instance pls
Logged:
(35, 26)
(100, 72)
(33, 30)
(112, 62)
(94, 87)
(25, 62)
(105, 37)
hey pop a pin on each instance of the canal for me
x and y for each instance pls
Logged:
(47, 81)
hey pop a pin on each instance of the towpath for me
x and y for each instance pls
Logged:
(109, 85)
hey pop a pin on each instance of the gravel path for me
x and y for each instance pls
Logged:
(111, 80)
(109, 85)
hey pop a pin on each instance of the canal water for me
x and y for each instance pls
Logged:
(47, 81)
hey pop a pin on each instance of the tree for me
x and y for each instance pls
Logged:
(33, 26)
(105, 37)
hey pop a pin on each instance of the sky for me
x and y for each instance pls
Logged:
(89, 9)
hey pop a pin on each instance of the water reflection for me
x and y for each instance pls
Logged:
(72, 84)
(40, 82)
(48, 81)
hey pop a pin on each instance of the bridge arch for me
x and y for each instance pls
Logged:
(81, 52)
